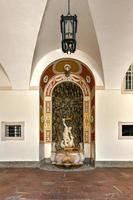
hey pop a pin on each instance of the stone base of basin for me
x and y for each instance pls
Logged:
(67, 157)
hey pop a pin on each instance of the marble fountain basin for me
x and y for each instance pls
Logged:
(68, 157)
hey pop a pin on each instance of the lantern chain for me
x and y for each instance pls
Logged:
(68, 7)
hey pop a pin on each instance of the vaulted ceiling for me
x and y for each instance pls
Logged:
(30, 32)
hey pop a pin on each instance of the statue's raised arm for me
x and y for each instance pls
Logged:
(64, 123)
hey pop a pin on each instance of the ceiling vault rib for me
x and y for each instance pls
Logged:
(42, 16)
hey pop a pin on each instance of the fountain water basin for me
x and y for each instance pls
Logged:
(68, 157)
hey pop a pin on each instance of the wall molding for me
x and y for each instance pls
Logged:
(98, 87)
(46, 161)
(19, 164)
(31, 164)
(119, 164)
(24, 164)
(6, 88)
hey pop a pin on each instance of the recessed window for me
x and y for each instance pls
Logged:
(125, 130)
(129, 78)
(12, 130)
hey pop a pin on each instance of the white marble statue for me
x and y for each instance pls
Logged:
(68, 139)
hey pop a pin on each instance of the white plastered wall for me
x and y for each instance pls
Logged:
(112, 107)
(20, 106)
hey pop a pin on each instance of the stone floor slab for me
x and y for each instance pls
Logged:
(38, 184)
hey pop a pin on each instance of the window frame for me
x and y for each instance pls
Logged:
(4, 124)
(124, 89)
(120, 136)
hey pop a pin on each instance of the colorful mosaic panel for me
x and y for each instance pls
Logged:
(86, 122)
(48, 106)
(47, 121)
(86, 137)
(86, 107)
(47, 136)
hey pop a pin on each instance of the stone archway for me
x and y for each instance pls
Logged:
(83, 78)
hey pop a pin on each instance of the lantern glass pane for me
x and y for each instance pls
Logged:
(68, 29)
(63, 30)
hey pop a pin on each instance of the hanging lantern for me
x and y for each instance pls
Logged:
(68, 30)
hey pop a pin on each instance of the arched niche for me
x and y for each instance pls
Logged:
(67, 104)
(82, 78)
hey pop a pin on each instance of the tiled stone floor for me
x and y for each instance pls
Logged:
(38, 184)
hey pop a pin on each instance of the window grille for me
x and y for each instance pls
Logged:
(12, 130)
